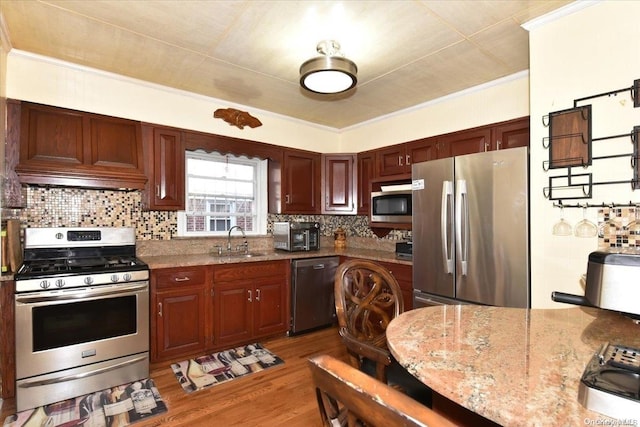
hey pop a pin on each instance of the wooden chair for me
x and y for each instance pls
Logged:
(348, 397)
(367, 298)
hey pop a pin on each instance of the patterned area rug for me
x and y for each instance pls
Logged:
(115, 407)
(216, 368)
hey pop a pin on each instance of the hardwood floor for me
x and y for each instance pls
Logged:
(282, 395)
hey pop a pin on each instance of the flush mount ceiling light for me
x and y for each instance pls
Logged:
(330, 73)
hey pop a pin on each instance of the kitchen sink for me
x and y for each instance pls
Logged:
(225, 254)
(249, 255)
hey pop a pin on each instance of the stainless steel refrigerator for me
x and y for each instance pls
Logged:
(470, 229)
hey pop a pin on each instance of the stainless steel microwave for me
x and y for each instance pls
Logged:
(296, 236)
(391, 206)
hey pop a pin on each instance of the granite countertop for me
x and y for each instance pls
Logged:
(178, 260)
(513, 366)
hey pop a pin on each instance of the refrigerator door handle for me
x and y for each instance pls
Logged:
(462, 224)
(445, 219)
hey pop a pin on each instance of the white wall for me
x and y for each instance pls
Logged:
(43, 80)
(503, 99)
(592, 51)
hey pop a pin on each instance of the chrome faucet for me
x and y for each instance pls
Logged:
(245, 244)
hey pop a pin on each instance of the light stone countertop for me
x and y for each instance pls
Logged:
(516, 367)
(187, 260)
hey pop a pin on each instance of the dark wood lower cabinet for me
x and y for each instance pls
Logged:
(208, 308)
(404, 276)
(180, 311)
(251, 301)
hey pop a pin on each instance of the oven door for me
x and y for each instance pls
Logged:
(62, 329)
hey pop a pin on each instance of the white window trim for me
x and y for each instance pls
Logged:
(261, 200)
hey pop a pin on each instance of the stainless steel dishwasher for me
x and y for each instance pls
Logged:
(312, 302)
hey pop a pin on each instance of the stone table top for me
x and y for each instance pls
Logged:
(516, 367)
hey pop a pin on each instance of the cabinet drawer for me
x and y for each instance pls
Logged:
(252, 270)
(167, 278)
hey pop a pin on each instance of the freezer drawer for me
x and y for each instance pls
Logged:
(422, 299)
(312, 301)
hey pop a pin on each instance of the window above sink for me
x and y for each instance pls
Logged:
(223, 191)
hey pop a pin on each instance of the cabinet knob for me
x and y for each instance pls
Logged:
(258, 295)
(400, 161)
(160, 309)
(408, 159)
(250, 298)
(287, 199)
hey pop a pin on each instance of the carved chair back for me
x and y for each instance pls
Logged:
(367, 298)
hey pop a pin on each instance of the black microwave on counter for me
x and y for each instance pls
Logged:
(392, 206)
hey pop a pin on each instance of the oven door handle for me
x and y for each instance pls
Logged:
(77, 294)
(81, 375)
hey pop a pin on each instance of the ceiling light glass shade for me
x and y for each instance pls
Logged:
(328, 74)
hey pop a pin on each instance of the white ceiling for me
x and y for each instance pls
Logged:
(249, 52)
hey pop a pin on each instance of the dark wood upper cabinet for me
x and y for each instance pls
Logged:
(72, 148)
(165, 163)
(339, 182)
(300, 183)
(422, 150)
(465, 142)
(366, 171)
(392, 160)
(511, 134)
(396, 160)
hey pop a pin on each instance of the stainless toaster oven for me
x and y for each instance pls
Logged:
(296, 236)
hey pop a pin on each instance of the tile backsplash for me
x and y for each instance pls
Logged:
(618, 227)
(75, 207)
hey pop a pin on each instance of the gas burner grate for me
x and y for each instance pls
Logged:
(623, 357)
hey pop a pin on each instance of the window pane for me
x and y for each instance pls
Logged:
(221, 193)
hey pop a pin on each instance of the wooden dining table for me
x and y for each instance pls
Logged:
(515, 367)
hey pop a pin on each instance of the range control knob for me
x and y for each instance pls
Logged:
(60, 283)
(115, 278)
(45, 284)
(88, 280)
(126, 277)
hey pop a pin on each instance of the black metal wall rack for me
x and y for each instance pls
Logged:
(570, 145)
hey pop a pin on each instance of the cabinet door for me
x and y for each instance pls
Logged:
(339, 184)
(180, 322)
(466, 142)
(51, 136)
(422, 151)
(404, 276)
(233, 305)
(73, 148)
(511, 134)
(116, 144)
(269, 306)
(392, 160)
(180, 311)
(366, 173)
(165, 168)
(301, 182)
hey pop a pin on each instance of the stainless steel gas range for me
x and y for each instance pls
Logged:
(82, 313)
